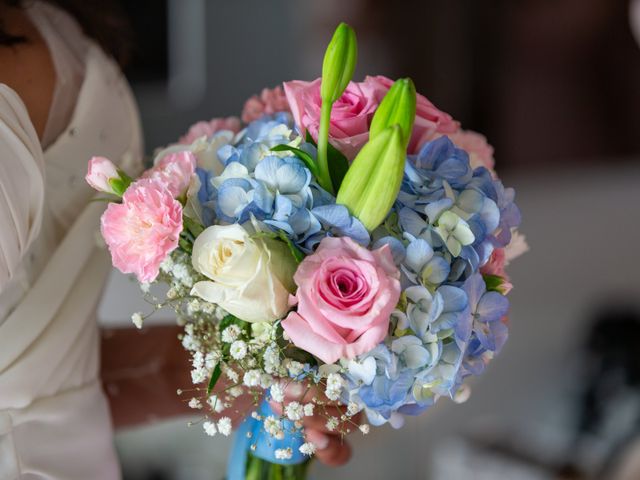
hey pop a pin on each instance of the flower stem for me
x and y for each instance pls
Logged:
(259, 469)
(324, 177)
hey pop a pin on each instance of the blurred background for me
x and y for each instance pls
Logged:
(555, 86)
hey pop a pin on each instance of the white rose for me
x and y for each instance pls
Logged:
(251, 278)
(204, 149)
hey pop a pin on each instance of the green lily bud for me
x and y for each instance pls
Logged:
(397, 107)
(339, 63)
(371, 185)
(337, 70)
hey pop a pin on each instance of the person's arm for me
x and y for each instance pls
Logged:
(143, 369)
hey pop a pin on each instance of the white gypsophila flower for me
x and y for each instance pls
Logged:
(236, 391)
(252, 378)
(294, 411)
(195, 403)
(232, 375)
(307, 448)
(224, 426)
(266, 380)
(283, 453)
(182, 274)
(216, 403)
(271, 359)
(364, 428)
(262, 332)
(145, 286)
(211, 359)
(238, 349)
(197, 360)
(308, 409)
(137, 319)
(231, 333)
(332, 424)
(272, 426)
(167, 264)
(250, 362)
(353, 408)
(277, 392)
(334, 386)
(172, 293)
(190, 343)
(193, 306)
(210, 428)
(295, 368)
(333, 395)
(198, 375)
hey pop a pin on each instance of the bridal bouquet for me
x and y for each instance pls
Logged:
(347, 236)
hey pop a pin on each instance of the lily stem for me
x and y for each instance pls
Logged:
(324, 177)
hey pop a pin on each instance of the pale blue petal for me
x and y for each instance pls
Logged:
(418, 253)
(492, 307)
(455, 299)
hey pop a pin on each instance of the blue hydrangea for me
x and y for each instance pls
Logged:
(274, 187)
(444, 227)
(419, 361)
(462, 213)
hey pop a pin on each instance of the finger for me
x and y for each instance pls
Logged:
(303, 393)
(320, 420)
(336, 453)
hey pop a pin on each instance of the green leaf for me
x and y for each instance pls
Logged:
(493, 282)
(193, 227)
(185, 244)
(217, 371)
(338, 163)
(301, 154)
(118, 185)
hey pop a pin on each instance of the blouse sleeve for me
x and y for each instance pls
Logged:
(21, 183)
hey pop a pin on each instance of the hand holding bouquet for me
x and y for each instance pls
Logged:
(350, 238)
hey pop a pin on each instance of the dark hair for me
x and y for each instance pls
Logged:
(104, 21)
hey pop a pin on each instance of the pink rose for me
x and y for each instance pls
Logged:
(207, 129)
(143, 229)
(101, 170)
(475, 144)
(345, 296)
(174, 171)
(270, 101)
(495, 266)
(350, 117)
(430, 122)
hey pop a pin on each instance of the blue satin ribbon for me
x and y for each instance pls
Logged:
(265, 444)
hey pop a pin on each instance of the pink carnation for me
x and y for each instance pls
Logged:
(345, 296)
(271, 100)
(476, 145)
(143, 229)
(430, 122)
(207, 129)
(350, 117)
(495, 266)
(174, 171)
(101, 171)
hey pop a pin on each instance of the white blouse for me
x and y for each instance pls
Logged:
(54, 418)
